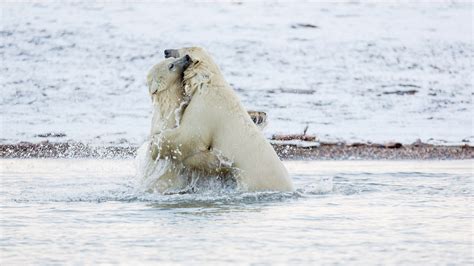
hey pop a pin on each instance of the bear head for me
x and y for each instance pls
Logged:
(166, 75)
(200, 71)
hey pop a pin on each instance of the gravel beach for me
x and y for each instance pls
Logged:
(321, 151)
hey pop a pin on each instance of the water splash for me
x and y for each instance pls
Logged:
(167, 177)
(179, 111)
(325, 185)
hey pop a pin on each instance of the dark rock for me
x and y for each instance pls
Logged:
(357, 144)
(393, 145)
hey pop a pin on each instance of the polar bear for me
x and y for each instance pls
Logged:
(165, 88)
(164, 81)
(258, 117)
(168, 175)
(215, 122)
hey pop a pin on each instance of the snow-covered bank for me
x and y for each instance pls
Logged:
(352, 72)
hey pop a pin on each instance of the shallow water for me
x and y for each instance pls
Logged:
(348, 212)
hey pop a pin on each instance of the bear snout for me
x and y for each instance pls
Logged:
(187, 61)
(171, 53)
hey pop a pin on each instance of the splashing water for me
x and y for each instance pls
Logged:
(164, 176)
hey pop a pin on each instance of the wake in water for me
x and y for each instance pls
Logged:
(97, 183)
(161, 177)
(205, 193)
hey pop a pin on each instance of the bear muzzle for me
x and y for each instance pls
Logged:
(183, 62)
(171, 53)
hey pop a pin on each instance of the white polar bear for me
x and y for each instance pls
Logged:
(165, 87)
(168, 97)
(169, 175)
(215, 122)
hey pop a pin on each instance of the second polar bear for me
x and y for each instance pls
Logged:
(164, 82)
(216, 121)
(168, 174)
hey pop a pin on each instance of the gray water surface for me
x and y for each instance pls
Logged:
(347, 212)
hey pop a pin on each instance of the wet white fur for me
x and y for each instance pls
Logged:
(215, 118)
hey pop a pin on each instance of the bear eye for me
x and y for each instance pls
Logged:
(171, 66)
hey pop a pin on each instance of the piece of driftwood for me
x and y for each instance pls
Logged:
(294, 137)
(302, 137)
(393, 145)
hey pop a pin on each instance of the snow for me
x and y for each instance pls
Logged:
(80, 69)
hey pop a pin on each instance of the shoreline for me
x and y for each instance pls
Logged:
(318, 151)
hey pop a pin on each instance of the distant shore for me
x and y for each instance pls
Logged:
(318, 151)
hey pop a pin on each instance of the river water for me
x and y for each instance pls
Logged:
(345, 212)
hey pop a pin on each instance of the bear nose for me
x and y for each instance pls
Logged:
(167, 53)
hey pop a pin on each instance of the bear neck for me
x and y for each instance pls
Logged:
(167, 107)
(202, 75)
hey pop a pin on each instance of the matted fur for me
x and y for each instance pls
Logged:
(197, 75)
(215, 122)
(168, 97)
(202, 73)
(168, 106)
(201, 70)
